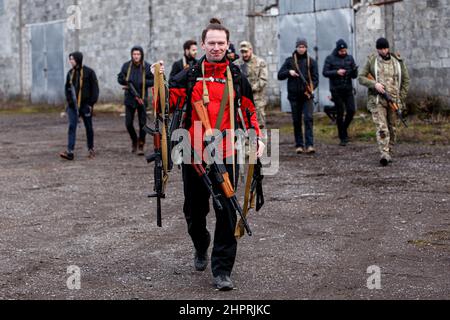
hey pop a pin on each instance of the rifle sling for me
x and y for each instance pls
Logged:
(81, 84)
(160, 95)
(143, 76)
(297, 66)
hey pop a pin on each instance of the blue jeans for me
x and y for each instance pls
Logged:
(303, 109)
(86, 115)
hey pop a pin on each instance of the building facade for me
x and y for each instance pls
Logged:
(37, 37)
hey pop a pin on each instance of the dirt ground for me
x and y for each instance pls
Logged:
(327, 219)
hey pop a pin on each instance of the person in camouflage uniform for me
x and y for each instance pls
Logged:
(391, 76)
(255, 69)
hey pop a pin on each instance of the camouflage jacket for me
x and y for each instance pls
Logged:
(371, 68)
(257, 76)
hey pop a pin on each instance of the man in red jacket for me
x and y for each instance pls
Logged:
(203, 86)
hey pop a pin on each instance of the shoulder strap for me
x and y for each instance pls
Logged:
(311, 84)
(143, 67)
(72, 75)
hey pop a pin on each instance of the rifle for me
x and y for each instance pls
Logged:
(256, 190)
(254, 196)
(392, 104)
(73, 98)
(208, 183)
(220, 173)
(161, 156)
(309, 87)
(135, 94)
(331, 112)
(156, 157)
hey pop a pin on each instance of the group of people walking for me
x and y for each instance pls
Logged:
(204, 85)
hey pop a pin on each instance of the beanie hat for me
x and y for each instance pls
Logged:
(341, 44)
(301, 42)
(382, 43)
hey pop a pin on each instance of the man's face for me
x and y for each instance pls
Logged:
(247, 54)
(231, 56)
(301, 49)
(383, 52)
(343, 52)
(137, 56)
(192, 52)
(72, 62)
(215, 45)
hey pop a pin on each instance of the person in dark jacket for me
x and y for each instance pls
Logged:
(83, 81)
(138, 73)
(302, 72)
(341, 69)
(231, 53)
(190, 53)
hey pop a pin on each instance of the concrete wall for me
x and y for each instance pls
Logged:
(108, 30)
(10, 86)
(418, 29)
(172, 25)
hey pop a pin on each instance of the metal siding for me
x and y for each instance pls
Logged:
(55, 65)
(38, 56)
(296, 6)
(47, 54)
(322, 29)
(332, 4)
(332, 25)
(293, 27)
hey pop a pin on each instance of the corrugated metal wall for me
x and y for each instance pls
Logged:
(322, 23)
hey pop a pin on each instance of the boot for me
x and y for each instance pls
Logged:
(91, 155)
(310, 150)
(141, 148)
(66, 155)
(134, 147)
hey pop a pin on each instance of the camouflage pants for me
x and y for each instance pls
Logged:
(384, 119)
(261, 112)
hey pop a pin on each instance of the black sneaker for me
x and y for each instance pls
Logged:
(134, 147)
(223, 283)
(67, 156)
(201, 261)
(92, 154)
(343, 143)
(384, 162)
(201, 258)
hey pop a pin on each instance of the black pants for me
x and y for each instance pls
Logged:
(196, 209)
(345, 103)
(129, 122)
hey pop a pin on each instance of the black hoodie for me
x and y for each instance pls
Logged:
(90, 91)
(136, 77)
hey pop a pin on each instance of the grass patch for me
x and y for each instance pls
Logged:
(363, 130)
(19, 107)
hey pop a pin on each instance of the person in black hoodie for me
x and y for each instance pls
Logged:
(341, 69)
(301, 71)
(138, 73)
(190, 52)
(84, 80)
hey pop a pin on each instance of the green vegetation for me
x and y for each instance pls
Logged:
(435, 131)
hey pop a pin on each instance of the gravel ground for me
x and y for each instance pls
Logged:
(327, 218)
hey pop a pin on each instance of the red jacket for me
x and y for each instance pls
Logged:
(243, 94)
